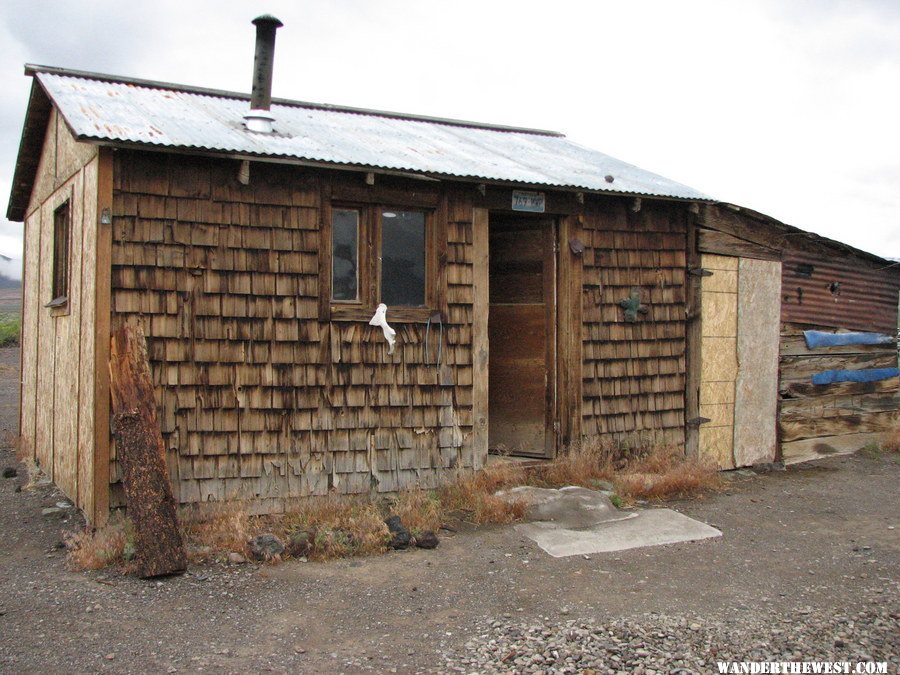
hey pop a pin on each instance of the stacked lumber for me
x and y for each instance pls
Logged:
(821, 420)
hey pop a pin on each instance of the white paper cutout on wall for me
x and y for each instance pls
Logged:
(380, 319)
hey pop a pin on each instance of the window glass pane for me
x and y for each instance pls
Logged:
(344, 254)
(61, 252)
(402, 258)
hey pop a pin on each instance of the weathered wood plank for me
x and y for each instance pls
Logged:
(794, 428)
(830, 405)
(141, 455)
(722, 243)
(795, 345)
(804, 367)
(816, 448)
(803, 390)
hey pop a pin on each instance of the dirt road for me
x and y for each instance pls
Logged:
(798, 546)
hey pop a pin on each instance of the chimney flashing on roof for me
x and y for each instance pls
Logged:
(260, 121)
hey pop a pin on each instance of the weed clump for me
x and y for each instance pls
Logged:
(95, 549)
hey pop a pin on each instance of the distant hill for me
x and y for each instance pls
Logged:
(7, 266)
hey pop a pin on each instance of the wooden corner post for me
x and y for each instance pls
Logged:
(480, 347)
(103, 308)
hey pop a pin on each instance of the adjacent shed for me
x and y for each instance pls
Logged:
(783, 375)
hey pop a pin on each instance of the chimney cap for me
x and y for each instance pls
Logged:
(267, 19)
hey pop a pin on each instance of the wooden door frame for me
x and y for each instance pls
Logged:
(569, 309)
(558, 427)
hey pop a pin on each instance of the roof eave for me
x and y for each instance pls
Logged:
(34, 129)
(382, 170)
(810, 237)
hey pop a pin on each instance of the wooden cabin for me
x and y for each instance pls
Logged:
(541, 293)
(537, 290)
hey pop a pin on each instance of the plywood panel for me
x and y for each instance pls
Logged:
(716, 445)
(30, 336)
(719, 314)
(756, 388)
(65, 355)
(71, 155)
(719, 262)
(53, 412)
(718, 358)
(46, 348)
(717, 392)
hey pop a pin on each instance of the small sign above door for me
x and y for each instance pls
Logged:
(533, 202)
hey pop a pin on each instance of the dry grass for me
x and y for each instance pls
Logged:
(892, 442)
(584, 464)
(338, 526)
(419, 510)
(225, 529)
(474, 497)
(665, 474)
(96, 549)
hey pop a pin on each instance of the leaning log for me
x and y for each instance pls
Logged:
(159, 548)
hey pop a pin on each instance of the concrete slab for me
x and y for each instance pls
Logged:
(653, 527)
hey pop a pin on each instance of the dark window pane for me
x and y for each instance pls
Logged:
(61, 252)
(344, 254)
(402, 258)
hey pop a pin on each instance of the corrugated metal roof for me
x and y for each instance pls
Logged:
(115, 110)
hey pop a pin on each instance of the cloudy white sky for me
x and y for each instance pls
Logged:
(788, 107)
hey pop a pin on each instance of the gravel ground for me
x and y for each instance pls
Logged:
(655, 643)
(808, 566)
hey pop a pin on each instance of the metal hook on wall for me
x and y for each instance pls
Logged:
(439, 320)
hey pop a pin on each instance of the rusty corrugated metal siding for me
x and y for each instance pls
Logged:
(839, 291)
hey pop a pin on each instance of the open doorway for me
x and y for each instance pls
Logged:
(522, 335)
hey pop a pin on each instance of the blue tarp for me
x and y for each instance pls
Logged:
(818, 338)
(867, 375)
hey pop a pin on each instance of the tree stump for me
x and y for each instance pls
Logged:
(159, 548)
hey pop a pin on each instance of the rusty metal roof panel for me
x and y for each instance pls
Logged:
(113, 110)
(838, 290)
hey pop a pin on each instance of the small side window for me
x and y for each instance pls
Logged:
(402, 258)
(61, 245)
(345, 255)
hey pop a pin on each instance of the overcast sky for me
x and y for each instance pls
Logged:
(789, 108)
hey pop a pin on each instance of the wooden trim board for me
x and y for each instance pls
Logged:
(480, 346)
(102, 334)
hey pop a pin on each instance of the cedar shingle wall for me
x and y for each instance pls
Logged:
(634, 373)
(259, 399)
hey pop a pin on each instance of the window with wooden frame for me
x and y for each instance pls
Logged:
(380, 253)
(62, 228)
